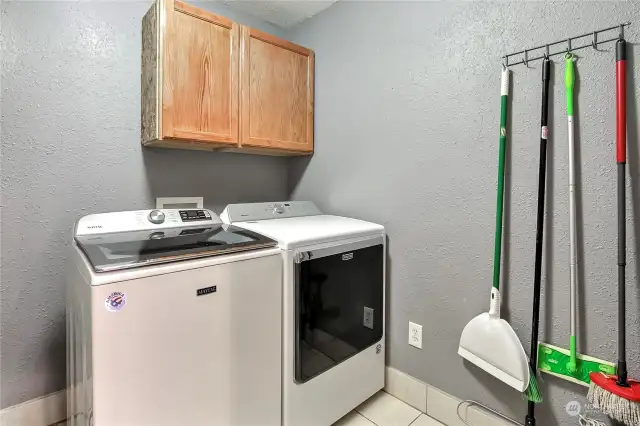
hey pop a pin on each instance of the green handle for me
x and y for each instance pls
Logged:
(501, 159)
(569, 81)
(572, 366)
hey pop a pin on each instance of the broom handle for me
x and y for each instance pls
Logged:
(504, 93)
(530, 419)
(621, 148)
(494, 307)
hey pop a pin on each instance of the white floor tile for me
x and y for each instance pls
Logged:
(385, 410)
(424, 420)
(353, 419)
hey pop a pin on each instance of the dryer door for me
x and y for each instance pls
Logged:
(338, 304)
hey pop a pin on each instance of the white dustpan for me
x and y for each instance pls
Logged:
(490, 343)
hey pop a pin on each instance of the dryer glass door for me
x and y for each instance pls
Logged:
(338, 304)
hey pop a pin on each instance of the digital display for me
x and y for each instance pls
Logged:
(189, 215)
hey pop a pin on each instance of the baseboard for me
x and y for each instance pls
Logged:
(44, 411)
(51, 409)
(406, 388)
(436, 403)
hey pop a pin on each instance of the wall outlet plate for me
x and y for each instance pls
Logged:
(415, 335)
(367, 319)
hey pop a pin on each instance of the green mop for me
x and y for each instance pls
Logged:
(567, 364)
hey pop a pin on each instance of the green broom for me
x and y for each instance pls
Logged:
(488, 341)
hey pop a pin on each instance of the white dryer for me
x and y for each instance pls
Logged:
(173, 318)
(334, 304)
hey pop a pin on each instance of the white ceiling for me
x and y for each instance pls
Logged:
(283, 13)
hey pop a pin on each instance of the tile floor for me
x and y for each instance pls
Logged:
(383, 409)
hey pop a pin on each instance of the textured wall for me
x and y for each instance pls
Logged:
(407, 108)
(71, 146)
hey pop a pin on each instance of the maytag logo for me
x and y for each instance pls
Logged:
(347, 256)
(206, 290)
(94, 226)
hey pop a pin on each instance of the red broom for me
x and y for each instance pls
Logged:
(618, 396)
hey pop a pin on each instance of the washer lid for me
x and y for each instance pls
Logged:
(297, 231)
(123, 240)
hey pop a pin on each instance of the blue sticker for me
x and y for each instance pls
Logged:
(115, 301)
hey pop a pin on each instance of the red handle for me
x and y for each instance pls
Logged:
(621, 103)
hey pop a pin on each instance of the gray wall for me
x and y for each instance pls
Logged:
(407, 115)
(70, 147)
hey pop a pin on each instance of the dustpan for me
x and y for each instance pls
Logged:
(490, 343)
(487, 340)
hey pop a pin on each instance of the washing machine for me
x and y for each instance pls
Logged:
(333, 307)
(173, 318)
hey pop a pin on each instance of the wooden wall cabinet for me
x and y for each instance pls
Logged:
(276, 93)
(210, 83)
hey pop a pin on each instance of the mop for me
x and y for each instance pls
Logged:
(618, 396)
(569, 365)
(487, 340)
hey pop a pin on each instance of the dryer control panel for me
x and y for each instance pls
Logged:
(263, 211)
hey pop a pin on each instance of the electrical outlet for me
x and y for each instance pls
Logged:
(367, 319)
(415, 335)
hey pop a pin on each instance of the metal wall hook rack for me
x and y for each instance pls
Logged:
(570, 46)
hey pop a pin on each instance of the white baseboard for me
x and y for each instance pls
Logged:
(51, 409)
(436, 403)
(43, 411)
(406, 388)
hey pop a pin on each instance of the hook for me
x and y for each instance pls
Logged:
(568, 45)
(546, 51)
(621, 31)
(505, 62)
(594, 43)
(526, 58)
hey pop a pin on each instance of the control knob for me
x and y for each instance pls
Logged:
(156, 216)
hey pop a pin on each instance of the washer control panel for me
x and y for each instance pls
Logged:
(194, 215)
(142, 220)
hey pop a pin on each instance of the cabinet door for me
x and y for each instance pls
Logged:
(200, 101)
(276, 91)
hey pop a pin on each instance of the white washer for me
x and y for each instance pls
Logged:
(173, 318)
(334, 304)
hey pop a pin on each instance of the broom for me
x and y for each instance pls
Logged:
(488, 341)
(618, 396)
